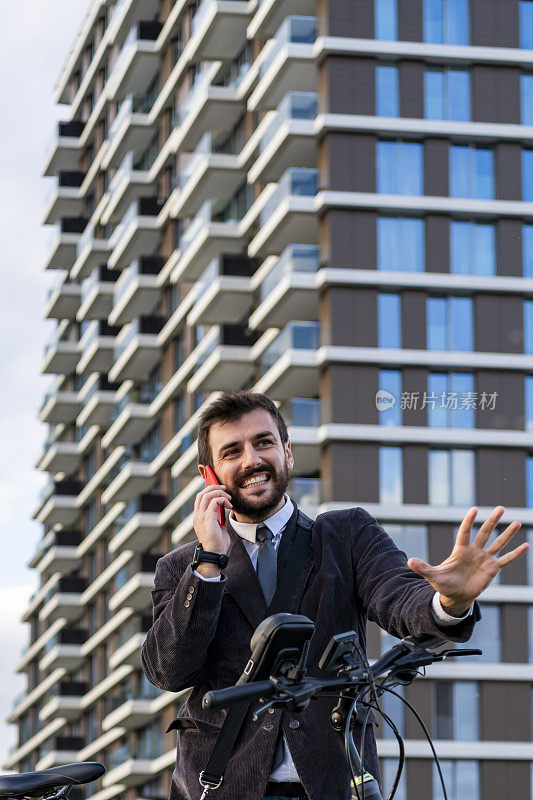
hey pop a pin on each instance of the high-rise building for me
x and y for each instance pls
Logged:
(331, 202)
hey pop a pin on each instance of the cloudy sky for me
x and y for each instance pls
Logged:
(34, 41)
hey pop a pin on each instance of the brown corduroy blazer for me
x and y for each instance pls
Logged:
(201, 634)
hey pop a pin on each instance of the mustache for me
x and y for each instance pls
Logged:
(251, 473)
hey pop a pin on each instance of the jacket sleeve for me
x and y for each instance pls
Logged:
(394, 596)
(186, 611)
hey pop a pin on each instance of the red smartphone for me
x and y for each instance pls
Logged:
(212, 480)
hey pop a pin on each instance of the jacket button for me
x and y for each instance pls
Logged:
(271, 710)
(186, 604)
(294, 724)
(268, 727)
(189, 596)
(191, 589)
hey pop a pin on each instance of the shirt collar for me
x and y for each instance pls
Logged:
(276, 523)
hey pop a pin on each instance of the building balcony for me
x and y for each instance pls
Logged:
(207, 176)
(303, 418)
(287, 61)
(57, 552)
(129, 653)
(99, 397)
(97, 347)
(59, 503)
(64, 700)
(130, 131)
(63, 600)
(60, 408)
(137, 349)
(132, 713)
(133, 584)
(224, 360)
(64, 150)
(64, 243)
(60, 358)
(64, 650)
(269, 14)
(223, 287)
(137, 62)
(130, 421)
(65, 197)
(137, 234)
(288, 291)
(203, 241)
(58, 751)
(92, 251)
(288, 365)
(63, 300)
(288, 138)
(288, 214)
(97, 295)
(186, 465)
(218, 29)
(307, 494)
(137, 291)
(130, 772)
(137, 526)
(60, 457)
(134, 477)
(128, 184)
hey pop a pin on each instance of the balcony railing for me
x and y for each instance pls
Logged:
(295, 258)
(144, 504)
(295, 105)
(295, 336)
(293, 30)
(143, 206)
(200, 84)
(147, 31)
(150, 325)
(295, 182)
(98, 275)
(146, 265)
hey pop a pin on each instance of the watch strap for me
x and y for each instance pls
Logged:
(201, 556)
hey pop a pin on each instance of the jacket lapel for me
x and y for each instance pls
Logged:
(243, 583)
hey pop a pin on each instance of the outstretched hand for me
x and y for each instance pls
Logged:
(471, 567)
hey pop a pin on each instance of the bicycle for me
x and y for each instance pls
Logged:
(280, 646)
(50, 784)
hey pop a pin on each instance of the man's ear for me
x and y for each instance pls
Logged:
(201, 469)
(288, 453)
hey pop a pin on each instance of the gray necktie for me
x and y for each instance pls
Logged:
(267, 568)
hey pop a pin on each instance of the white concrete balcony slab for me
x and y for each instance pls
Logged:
(62, 253)
(60, 358)
(211, 176)
(59, 558)
(136, 235)
(187, 463)
(294, 374)
(289, 290)
(96, 298)
(269, 14)
(131, 714)
(137, 291)
(131, 425)
(137, 62)
(306, 447)
(58, 510)
(56, 758)
(218, 29)
(129, 653)
(128, 184)
(131, 773)
(64, 150)
(70, 708)
(135, 478)
(217, 302)
(63, 605)
(91, 252)
(63, 201)
(130, 132)
(62, 656)
(60, 408)
(134, 594)
(99, 398)
(137, 349)
(208, 108)
(96, 350)
(63, 301)
(140, 532)
(226, 367)
(60, 457)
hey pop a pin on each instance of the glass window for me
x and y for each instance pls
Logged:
(450, 400)
(527, 251)
(461, 779)
(471, 172)
(447, 94)
(529, 481)
(400, 168)
(472, 248)
(390, 383)
(526, 99)
(412, 539)
(528, 404)
(388, 769)
(446, 21)
(389, 321)
(449, 323)
(387, 92)
(401, 245)
(526, 24)
(390, 475)
(487, 635)
(527, 174)
(530, 608)
(451, 477)
(457, 710)
(386, 19)
(395, 709)
(528, 326)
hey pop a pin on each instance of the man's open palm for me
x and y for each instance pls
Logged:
(470, 568)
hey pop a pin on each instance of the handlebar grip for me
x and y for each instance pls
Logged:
(220, 698)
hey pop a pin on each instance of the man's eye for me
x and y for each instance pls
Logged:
(265, 441)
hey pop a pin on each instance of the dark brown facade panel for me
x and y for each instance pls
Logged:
(504, 711)
(498, 323)
(437, 243)
(350, 237)
(344, 19)
(410, 17)
(351, 162)
(495, 94)
(415, 461)
(505, 394)
(414, 320)
(508, 171)
(505, 779)
(420, 694)
(414, 383)
(436, 167)
(494, 23)
(351, 317)
(509, 247)
(440, 541)
(351, 472)
(411, 84)
(350, 392)
(501, 476)
(351, 85)
(515, 637)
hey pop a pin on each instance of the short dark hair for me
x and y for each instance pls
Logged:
(230, 407)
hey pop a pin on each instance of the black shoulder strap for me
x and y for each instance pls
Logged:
(214, 772)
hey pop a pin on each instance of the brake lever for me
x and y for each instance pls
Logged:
(454, 653)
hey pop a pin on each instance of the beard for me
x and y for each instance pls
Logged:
(258, 508)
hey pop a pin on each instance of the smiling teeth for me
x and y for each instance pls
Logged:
(252, 481)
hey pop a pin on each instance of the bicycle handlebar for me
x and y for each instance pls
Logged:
(234, 694)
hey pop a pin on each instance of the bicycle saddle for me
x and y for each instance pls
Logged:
(35, 784)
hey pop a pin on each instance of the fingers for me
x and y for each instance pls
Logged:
(488, 526)
(204, 498)
(465, 528)
(421, 568)
(505, 537)
(508, 558)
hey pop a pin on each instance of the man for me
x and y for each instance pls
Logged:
(204, 616)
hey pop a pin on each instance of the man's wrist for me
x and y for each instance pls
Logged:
(208, 570)
(454, 609)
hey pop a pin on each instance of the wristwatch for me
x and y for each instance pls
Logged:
(201, 555)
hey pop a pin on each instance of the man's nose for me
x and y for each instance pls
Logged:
(250, 457)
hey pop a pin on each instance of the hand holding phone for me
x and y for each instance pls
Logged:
(212, 480)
